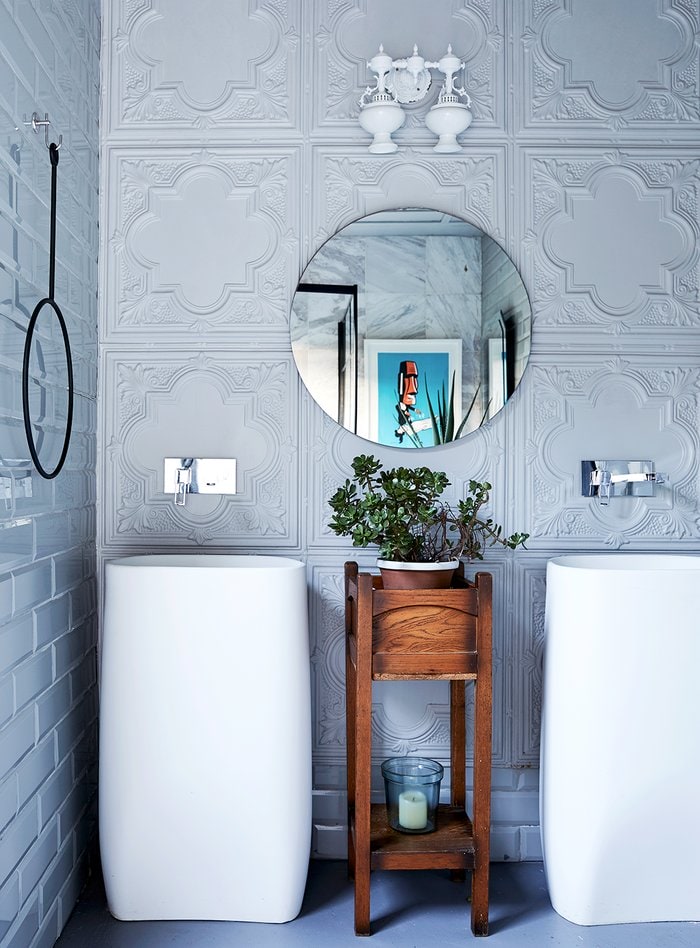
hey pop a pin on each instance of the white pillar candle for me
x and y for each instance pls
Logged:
(413, 810)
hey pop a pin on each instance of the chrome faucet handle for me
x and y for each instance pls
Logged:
(184, 479)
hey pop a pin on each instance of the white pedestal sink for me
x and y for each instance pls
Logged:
(620, 742)
(205, 737)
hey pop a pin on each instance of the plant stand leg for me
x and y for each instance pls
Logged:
(363, 755)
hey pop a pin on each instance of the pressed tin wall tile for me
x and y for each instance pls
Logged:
(345, 35)
(641, 407)
(596, 72)
(202, 241)
(207, 404)
(201, 70)
(355, 183)
(612, 238)
(223, 176)
(525, 635)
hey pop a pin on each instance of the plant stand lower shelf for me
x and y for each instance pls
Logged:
(451, 846)
(417, 635)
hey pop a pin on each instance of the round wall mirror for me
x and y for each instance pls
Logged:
(411, 327)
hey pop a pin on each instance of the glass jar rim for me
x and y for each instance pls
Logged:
(415, 768)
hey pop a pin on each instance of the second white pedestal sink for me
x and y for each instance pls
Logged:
(620, 743)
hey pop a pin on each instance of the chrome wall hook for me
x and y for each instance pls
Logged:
(37, 123)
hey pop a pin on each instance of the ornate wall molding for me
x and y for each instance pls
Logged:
(328, 661)
(355, 183)
(200, 70)
(201, 242)
(528, 603)
(586, 67)
(347, 35)
(587, 175)
(612, 238)
(642, 407)
(210, 404)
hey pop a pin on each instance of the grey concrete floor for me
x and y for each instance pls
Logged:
(409, 909)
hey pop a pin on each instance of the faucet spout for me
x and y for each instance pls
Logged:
(606, 479)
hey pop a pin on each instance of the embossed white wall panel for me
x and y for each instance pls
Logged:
(639, 407)
(346, 35)
(349, 183)
(202, 404)
(525, 632)
(612, 237)
(606, 67)
(203, 70)
(201, 242)
(224, 173)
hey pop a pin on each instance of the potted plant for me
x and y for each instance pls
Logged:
(401, 510)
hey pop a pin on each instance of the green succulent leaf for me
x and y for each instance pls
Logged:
(402, 511)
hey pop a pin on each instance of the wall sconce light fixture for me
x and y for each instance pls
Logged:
(402, 81)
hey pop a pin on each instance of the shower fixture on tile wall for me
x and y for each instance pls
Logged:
(47, 367)
(403, 81)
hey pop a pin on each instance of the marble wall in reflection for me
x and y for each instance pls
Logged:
(420, 287)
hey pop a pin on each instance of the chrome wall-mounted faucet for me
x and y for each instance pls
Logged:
(183, 476)
(606, 479)
(183, 482)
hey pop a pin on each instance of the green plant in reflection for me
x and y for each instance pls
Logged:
(442, 417)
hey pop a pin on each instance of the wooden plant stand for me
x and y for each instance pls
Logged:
(410, 635)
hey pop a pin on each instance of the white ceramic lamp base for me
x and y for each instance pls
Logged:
(448, 120)
(381, 119)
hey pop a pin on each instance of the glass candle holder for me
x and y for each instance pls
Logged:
(412, 787)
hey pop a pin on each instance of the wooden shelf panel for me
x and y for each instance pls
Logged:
(464, 599)
(457, 665)
(451, 846)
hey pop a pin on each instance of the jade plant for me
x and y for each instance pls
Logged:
(402, 511)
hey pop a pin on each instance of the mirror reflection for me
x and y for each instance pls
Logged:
(411, 327)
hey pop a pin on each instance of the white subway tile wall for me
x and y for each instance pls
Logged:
(49, 63)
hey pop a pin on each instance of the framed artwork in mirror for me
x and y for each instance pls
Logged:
(407, 379)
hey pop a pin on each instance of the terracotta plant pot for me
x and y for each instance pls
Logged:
(399, 575)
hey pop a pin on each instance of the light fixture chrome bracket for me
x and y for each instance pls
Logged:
(408, 87)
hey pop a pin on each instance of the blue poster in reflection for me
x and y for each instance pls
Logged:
(404, 378)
